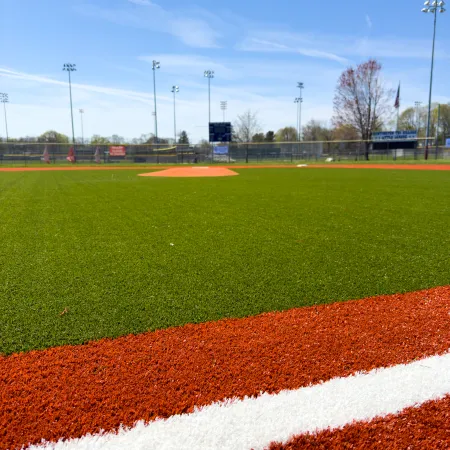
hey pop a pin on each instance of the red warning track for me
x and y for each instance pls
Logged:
(70, 391)
(433, 167)
(424, 428)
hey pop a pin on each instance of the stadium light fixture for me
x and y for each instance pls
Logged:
(175, 90)
(82, 128)
(432, 8)
(418, 105)
(70, 68)
(209, 74)
(155, 65)
(301, 86)
(4, 98)
(223, 107)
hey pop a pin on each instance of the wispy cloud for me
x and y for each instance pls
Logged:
(129, 94)
(262, 45)
(369, 21)
(191, 29)
(339, 48)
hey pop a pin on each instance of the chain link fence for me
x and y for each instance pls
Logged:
(27, 154)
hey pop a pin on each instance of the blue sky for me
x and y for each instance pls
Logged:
(258, 49)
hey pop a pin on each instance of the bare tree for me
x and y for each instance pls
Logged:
(246, 126)
(361, 100)
(317, 131)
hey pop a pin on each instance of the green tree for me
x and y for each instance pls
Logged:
(52, 136)
(270, 136)
(408, 120)
(286, 134)
(100, 140)
(444, 123)
(183, 138)
(116, 139)
(258, 137)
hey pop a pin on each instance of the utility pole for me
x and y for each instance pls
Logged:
(209, 74)
(418, 105)
(223, 107)
(175, 90)
(82, 128)
(156, 65)
(71, 68)
(432, 8)
(5, 99)
(301, 86)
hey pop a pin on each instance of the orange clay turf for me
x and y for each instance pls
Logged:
(437, 167)
(70, 391)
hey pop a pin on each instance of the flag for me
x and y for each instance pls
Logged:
(397, 99)
(71, 155)
(97, 156)
(46, 156)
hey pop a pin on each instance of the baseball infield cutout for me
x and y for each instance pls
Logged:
(185, 172)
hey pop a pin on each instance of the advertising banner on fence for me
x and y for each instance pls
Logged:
(447, 142)
(221, 150)
(117, 150)
(394, 136)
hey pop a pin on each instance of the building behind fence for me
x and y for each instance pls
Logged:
(281, 152)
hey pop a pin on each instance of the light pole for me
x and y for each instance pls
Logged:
(418, 105)
(209, 74)
(4, 99)
(71, 68)
(223, 107)
(432, 8)
(82, 129)
(175, 90)
(299, 101)
(301, 87)
(156, 65)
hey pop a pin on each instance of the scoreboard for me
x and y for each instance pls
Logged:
(220, 132)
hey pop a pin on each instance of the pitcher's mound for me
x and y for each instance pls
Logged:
(192, 172)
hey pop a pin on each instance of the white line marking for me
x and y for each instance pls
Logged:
(256, 422)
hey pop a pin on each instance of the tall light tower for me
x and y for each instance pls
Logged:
(432, 8)
(299, 101)
(223, 107)
(4, 99)
(71, 68)
(209, 74)
(175, 90)
(301, 86)
(82, 128)
(418, 105)
(155, 65)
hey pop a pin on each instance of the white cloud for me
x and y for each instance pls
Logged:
(41, 102)
(369, 21)
(262, 45)
(340, 48)
(189, 28)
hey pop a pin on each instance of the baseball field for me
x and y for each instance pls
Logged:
(126, 300)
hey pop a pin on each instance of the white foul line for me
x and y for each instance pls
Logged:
(253, 423)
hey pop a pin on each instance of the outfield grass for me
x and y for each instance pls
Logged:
(98, 245)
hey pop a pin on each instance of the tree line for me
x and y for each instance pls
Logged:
(362, 105)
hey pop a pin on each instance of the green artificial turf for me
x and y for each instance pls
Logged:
(125, 254)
